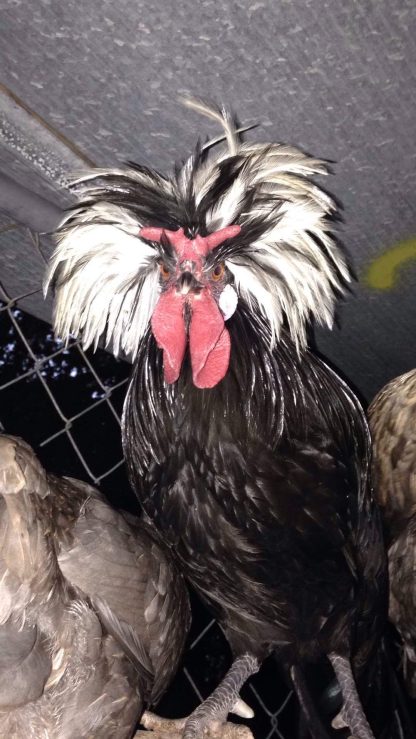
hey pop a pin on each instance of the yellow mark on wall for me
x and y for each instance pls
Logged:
(382, 274)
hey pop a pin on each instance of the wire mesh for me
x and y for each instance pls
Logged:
(67, 403)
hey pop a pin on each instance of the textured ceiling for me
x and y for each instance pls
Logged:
(99, 81)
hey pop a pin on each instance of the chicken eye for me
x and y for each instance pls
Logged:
(164, 271)
(218, 272)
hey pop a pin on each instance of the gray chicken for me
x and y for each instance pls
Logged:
(93, 616)
(393, 422)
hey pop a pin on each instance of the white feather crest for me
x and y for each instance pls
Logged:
(106, 279)
(295, 269)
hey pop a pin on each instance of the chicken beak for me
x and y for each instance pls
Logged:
(187, 283)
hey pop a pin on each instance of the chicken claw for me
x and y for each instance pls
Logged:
(165, 728)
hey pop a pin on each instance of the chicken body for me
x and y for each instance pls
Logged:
(93, 615)
(260, 486)
(393, 423)
(248, 453)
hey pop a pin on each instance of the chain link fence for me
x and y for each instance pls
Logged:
(67, 404)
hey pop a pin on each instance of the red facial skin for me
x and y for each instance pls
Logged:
(209, 340)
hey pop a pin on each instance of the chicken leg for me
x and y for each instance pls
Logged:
(164, 728)
(209, 719)
(352, 712)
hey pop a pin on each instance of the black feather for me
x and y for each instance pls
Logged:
(261, 487)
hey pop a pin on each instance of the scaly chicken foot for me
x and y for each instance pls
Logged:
(210, 718)
(213, 712)
(161, 728)
(164, 728)
(352, 712)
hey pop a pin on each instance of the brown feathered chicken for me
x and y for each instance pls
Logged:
(393, 423)
(93, 615)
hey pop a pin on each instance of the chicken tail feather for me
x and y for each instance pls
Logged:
(405, 723)
(315, 726)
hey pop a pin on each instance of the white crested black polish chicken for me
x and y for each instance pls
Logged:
(247, 452)
(93, 614)
(392, 417)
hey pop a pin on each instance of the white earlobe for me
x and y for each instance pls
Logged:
(228, 302)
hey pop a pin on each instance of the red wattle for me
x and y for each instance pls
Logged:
(209, 342)
(168, 328)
